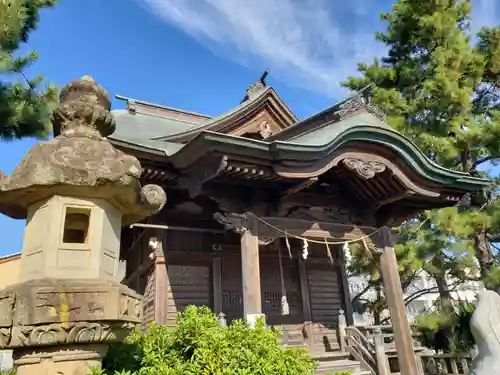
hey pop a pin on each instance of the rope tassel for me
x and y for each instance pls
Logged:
(285, 309)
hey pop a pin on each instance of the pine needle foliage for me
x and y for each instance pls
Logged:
(25, 106)
(439, 85)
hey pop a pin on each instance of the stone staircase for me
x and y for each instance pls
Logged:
(329, 363)
(334, 362)
(292, 336)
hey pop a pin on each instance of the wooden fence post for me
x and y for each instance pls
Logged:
(342, 332)
(381, 357)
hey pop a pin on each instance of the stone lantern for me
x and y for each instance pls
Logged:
(76, 191)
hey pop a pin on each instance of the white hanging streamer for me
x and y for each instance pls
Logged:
(305, 247)
(287, 243)
(347, 253)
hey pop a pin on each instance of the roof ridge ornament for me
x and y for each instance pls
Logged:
(257, 87)
(361, 100)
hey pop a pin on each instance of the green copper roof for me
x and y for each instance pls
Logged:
(140, 129)
(309, 141)
(319, 135)
(152, 131)
(322, 143)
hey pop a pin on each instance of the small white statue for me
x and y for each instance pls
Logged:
(485, 327)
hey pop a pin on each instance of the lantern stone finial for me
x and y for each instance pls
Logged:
(80, 161)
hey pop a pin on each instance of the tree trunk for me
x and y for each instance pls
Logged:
(376, 317)
(377, 306)
(442, 285)
(484, 254)
(444, 294)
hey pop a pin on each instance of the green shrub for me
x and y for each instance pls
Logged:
(449, 334)
(197, 345)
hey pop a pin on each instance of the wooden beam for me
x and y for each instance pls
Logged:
(395, 300)
(143, 268)
(181, 229)
(299, 187)
(306, 228)
(280, 227)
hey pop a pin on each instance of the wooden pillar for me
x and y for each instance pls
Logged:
(395, 300)
(346, 292)
(304, 291)
(161, 278)
(217, 284)
(250, 273)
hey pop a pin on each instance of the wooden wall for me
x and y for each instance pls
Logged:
(201, 274)
(187, 285)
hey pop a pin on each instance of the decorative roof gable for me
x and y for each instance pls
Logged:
(260, 114)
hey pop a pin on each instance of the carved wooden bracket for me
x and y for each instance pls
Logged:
(194, 181)
(264, 241)
(364, 169)
(238, 223)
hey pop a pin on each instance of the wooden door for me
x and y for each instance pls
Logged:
(272, 290)
(325, 301)
(231, 283)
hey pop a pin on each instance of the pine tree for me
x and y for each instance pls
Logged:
(440, 87)
(24, 109)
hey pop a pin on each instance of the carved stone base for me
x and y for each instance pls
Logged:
(67, 360)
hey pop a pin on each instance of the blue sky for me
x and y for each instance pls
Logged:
(200, 55)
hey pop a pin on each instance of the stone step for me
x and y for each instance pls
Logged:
(294, 336)
(330, 356)
(288, 328)
(332, 367)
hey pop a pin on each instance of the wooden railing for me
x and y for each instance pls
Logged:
(374, 347)
(445, 364)
(354, 342)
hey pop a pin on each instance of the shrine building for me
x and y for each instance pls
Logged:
(260, 204)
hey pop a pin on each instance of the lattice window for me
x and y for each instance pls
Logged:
(232, 300)
(273, 299)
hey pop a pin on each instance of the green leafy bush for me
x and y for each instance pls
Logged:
(445, 333)
(198, 345)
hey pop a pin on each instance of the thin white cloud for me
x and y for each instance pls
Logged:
(314, 44)
(305, 43)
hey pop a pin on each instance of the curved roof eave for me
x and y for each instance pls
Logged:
(277, 151)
